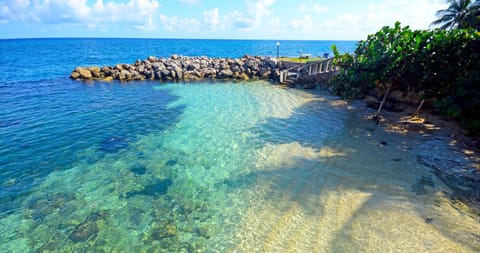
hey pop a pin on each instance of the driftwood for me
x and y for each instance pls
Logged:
(417, 111)
(385, 96)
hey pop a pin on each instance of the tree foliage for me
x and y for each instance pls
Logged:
(460, 14)
(441, 65)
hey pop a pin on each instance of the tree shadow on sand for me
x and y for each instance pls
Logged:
(368, 172)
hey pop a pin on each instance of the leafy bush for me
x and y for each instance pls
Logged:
(440, 64)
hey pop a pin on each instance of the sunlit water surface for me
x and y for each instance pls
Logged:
(226, 167)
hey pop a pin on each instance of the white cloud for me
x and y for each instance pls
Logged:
(4, 14)
(238, 20)
(307, 19)
(212, 20)
(304, 24)
(312, 6)
(14, 10)
(259, 9)
(61, 11)
(190, 2)
(134, 13)
(251, 18)
(176, 24)
(417, 14)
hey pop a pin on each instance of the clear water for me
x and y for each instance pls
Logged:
(208, 167)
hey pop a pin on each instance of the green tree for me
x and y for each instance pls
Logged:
(460, 14)
(440, 65)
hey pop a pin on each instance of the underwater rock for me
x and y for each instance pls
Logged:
(164, 230)
(88, 228)
(41, 209)
(171, 163)
(113, 144)
(138, 169)
(136, 216)
(205, 231)
(157, 188)
(429, 220)
(41, 206)
(84, 231)
(54, 243)
(461, 177)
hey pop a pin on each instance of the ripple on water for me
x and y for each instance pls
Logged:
(244, 167)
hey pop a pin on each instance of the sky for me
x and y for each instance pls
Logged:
(212, 19)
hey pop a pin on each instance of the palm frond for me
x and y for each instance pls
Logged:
(459, 14)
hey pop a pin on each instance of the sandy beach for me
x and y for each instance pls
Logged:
(454, 156)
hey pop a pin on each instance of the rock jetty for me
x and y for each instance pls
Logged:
(185, 68)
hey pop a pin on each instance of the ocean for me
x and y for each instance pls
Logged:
(205, 166)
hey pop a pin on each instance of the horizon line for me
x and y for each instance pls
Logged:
(153, 38)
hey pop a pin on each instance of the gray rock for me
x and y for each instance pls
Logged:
(84, 231)
(95, 72)
(149, 74)
(106, 69)
(158, 75)
(137, 76)
(115, 74)
(75, 75)
(226, 73)
(179, 72)
(125, 75)
(178, 67)
(141, 68)
(265, 74)
(152, 59)
(84, 73)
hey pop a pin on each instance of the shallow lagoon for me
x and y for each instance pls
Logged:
(229, 167)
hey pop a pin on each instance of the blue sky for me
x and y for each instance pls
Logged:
(243, 19)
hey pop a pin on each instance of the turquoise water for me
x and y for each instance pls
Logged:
(166, 189)
(240, 167)
(204, 167)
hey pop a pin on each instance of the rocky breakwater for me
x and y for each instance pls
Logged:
(184, 68)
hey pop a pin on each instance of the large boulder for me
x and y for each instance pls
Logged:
(149, 74)
(115, 74)
(244, 77)
(193, 66)
(125, 75)
(75, 75)
(106, 69)
(179, 72)
(158, 66)
(265, 74)
(141, 68)
(226, 73)
(108, 79)
(165, 74)
(84, 73)
(95, 72)
(152, 59)
(137, 76)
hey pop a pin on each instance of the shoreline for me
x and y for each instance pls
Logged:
(442, 148)
(457, 162)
